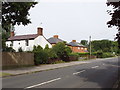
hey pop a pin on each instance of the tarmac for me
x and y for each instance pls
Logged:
(32, 69)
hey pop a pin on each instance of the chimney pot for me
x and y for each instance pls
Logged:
(55, 36)
(40, 31)
(73, 40)
(12, 33)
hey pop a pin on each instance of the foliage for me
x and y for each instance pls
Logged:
(62, 51)
(8, 49)
(104, 45)
(15, 13)
(40, 55)
(101, 54)
(84, 42)
(115, 17)
(20, 50)
(74, 54)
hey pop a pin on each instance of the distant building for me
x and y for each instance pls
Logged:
(77, 47)
(27, 42)
(54, 40)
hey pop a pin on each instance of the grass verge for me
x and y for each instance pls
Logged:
(2, 74)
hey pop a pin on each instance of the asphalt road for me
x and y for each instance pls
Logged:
(95, 74)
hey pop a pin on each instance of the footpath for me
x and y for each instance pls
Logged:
(32, 69)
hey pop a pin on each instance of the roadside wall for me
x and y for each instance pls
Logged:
(12, 59)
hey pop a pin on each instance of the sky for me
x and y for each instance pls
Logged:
(70, 19)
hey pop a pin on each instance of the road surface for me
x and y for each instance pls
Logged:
(101, 73)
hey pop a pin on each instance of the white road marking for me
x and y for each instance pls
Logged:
(78, 72)
(43, 83)
(95, 67)
(103, 64)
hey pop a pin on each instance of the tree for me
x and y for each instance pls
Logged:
(84, 42)
(101, 45)
(15, 13)
(115, 17)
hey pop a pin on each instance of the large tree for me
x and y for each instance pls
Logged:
(15, 13)
(115, 17)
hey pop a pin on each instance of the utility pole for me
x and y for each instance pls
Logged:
(90, 45)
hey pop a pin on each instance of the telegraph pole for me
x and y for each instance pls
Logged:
(90, 45)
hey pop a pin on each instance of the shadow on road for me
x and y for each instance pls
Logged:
(104, 76)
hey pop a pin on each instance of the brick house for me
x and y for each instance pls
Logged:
(54, 40)
(77, 47)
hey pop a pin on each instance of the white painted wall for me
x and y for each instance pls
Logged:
(40, 40)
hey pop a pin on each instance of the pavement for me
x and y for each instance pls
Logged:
(24, 70)
(99, 73)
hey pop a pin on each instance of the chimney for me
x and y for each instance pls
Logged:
(12, 34)
(73, 40)
(40, 31)
(55, 36)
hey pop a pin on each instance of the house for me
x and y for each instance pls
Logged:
(77, 47)
(27, 42)
(54, 40)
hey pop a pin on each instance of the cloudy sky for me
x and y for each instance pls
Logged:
(70, 19)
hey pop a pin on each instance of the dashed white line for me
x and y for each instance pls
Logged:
(43, 83)
(95, 67)
(78, 72)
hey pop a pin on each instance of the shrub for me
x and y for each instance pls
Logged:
(101, 54)
(20, 50)
(40, 55)
(62, 51)
(107, 54)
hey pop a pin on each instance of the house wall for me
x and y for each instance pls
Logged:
(22, 44)
(40, 40)
(78, 49)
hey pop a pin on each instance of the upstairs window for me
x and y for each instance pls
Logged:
(27, 44)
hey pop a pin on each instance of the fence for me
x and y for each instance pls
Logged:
(16, 59)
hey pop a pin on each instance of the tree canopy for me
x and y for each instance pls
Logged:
(84, 42)
(104, 46)
(15, 13)
(115, 17)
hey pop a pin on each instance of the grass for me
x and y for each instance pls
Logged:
(4, 74)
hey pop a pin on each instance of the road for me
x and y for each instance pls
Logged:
(101, 73)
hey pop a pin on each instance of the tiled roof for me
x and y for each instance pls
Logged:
(23, 37)
(76, 44)
(53, 40)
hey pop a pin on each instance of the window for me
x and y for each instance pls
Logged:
(11, 43)
(27, 44)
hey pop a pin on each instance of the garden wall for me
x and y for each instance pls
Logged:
(14, 59)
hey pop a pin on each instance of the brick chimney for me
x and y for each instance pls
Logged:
(55, 36)
(73, 40)
(40, 31)
(12, 33)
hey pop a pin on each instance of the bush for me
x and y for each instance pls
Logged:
(40, 55)
(8, 49)
(20, 50)
(101, 54)
(107, 54)
(62, 51)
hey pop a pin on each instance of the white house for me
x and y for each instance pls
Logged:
(27, 42)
